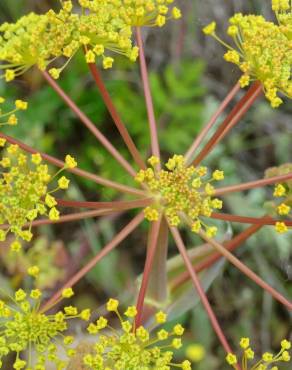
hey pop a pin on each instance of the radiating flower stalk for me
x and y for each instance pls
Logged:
(183, 194)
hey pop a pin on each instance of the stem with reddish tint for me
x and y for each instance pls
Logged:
(148, 97)
(115, 116)
(118, 205)
(91, 264)
(248, 220)
(151, 249)
(69, 218)
(231, 120)
(56, 162)
(212, 122)
(253, 184)
(246, 270)
(90, 125)
(214, 257)
(197, 284)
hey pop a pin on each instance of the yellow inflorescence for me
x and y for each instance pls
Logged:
(9, 118)
(24, 328)
(181, 193)
(283, 196)
(24, 193)
(133, 348)
(268, 360)
(100, 27)
(263, 50)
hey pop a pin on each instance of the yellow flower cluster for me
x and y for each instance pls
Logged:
(263, 50)
(283, 192)
(9, 118)
(181, 193)
(24, 192)
(133, 348)
(100, 26)
(268, 360)
(24, 328)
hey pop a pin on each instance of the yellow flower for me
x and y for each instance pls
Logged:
(283, 209)
(279, 191)
(231, 359)
(54, 214)
(35, 294)
(33, 271)
(280, 227)
(261, 50)
(67, 293)
(112, 305)
(20, 104)
(107, 62)
(131, 311)
(210, 28)
(160, 317)
(244, 343)
(70, 162)
(63, 182)
(195, 352)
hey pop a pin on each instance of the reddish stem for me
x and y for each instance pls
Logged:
(253, 184)
(214, 257)
(118, 205)
(246, 270)
(248, 220)
(69, 218)
(115, 116)
(197, 284)
(151, 249)
(104, 252)
(231, 120)
(148, 96)
(90, 125)
(212, 122)
(56, 162)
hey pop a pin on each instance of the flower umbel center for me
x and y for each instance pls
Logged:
(181, 193)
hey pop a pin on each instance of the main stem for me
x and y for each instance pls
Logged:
(151, 249)
(148, 97)
(104, 252)
(90, 125)
(211, 123)
(197, 284)
(56, 162)
(231, 120)
(246, 270)
(115, 116)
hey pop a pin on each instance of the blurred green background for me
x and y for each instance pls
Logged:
(188, 79)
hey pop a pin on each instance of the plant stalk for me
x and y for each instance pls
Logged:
(115, 116)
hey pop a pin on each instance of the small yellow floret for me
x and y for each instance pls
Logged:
(112, 305)
(160, 317)
(231, 359)
(210, 28)
(281, 227)
(67, 293)
(70, 162)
